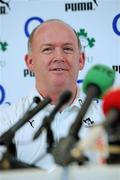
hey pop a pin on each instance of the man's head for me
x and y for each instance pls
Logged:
(54, 55)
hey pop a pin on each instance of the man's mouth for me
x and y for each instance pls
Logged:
(58, 69)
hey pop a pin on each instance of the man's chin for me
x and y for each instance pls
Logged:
(59, 82)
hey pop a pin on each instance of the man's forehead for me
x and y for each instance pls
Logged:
(46, 26)
(55, 37)
(51, 27)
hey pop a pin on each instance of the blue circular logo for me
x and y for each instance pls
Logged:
(114, 24)
(2, 94)
(29, 21)
(80, 81)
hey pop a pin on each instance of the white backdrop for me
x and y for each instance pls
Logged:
(100, 21)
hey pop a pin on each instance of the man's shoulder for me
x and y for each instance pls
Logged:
(16, 110)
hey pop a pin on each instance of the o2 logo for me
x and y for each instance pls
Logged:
(2, 94)
(115, 24)
(28, 22)
(80, 81)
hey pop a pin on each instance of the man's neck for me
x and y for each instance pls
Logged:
(55, 94)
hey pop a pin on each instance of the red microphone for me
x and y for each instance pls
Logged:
(111, 109)
(111, 100)
(111, 106)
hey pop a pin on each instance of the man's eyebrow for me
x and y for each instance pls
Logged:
(50, 44)
(68, 44)
(47, 44)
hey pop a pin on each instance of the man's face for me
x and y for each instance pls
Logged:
(55, 57)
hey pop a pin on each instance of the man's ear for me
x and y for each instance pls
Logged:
(82, 60)
(29, 62)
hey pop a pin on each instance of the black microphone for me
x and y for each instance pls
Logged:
(9, 160)
(97, 81)
(36, 99)
(64, 98)
(9, 134)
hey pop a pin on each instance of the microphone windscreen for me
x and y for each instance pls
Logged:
(65, 97)
(36, 99)
(100, 76)
(111, 100)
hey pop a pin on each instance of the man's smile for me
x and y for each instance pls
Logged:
(58, 69)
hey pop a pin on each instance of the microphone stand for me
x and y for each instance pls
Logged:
(47, 126)
(9, 159)
(50, 139)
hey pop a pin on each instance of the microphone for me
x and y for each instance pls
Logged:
(9, 134)
(111, 107)
(63, 99)
(98, 79)
(36, 99)
(9, 157)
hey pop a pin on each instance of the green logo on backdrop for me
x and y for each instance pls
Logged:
(85, 40)
(3, 46)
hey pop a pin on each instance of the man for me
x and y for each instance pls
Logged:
(55, 57)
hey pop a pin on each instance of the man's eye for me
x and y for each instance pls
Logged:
(47, 50)
(68, 49)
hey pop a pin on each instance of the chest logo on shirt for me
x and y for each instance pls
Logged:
(31, 123)
(88, 122)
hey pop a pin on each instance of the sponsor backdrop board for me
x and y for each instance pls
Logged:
(96, 21)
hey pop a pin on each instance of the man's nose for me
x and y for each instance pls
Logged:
(59, 55)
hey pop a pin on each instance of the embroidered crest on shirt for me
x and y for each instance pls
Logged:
(88, 122)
